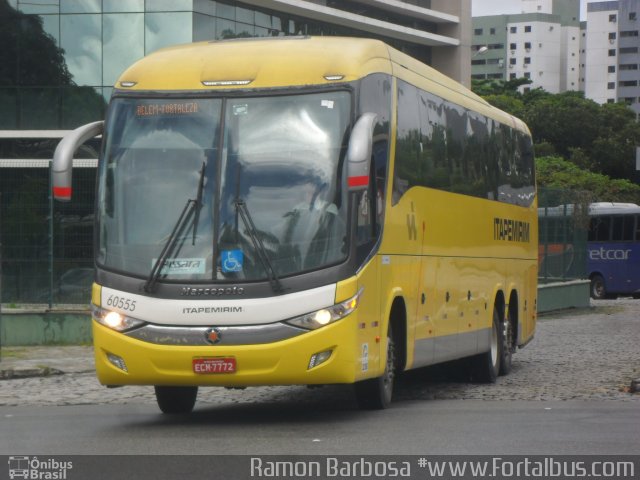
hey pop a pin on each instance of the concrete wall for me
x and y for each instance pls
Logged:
(49, 328)
(561, 295)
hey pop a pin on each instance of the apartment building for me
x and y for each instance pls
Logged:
(541, 43)
(612, 52)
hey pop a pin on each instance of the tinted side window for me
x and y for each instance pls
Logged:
(408, 170)
(442, 145)
(599, 229)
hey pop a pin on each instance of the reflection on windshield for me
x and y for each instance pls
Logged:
(284, 161)
(281, 156)
(153, 160)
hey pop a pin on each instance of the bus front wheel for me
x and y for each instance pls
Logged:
(175, 400)
(598, 290)
(376, 393)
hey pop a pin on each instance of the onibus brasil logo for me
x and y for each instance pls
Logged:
(38, 469)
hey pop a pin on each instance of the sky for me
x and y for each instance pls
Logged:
(498, 7)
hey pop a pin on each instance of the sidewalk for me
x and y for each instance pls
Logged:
(23, 362)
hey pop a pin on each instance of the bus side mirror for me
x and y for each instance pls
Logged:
(63, 158)
(359, 152)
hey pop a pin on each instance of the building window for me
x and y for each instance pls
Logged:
(628, 50)
(611, 100)
(632, 16)
(629, 66)
(527, 45)
(527, 60)
(527, 75)
(612, 35)
(494, 75)
(612, 53)
(512, 61)
(628, 83)
(611, 69)
(492, 31)
(479, 76)
(513, 29)
(527, 28)
(512, 76)
(478, 62)
(512, 46)
(611, 85)
(477, 31)
(629, 33)
(613, 17)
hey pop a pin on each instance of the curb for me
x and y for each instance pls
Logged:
(11, 373)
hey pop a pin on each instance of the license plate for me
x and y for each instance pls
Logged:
(212, 365)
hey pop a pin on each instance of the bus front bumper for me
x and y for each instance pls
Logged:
(122, 360)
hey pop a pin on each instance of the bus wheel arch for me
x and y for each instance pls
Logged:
(398, 323)
(376, 393)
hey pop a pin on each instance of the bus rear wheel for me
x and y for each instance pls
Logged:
(486, 366)
(176, 400)
(507, 345)
(598, 289)
(376, 393)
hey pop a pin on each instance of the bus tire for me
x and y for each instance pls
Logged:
(176, 400)
(376, 393)
(598, 289)
(487, 365)
(506, 340)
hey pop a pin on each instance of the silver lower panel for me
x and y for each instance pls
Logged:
(197, 336)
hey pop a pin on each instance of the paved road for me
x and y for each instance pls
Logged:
(578, 355)
(568, 393)
(295, 427)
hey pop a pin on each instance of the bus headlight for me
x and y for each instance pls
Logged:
(114, 320)
(325, 316)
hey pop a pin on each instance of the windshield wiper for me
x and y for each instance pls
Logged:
(258, 245)
(189, 207)
(198, 204)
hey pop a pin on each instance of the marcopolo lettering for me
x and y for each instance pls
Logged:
(613, 254)
(509, 230)
(199, 292)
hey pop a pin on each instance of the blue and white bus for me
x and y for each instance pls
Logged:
(613, 257)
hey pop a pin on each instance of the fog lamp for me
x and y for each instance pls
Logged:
(319, 358)
(117, 361)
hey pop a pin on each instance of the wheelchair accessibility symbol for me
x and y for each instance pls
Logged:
(232, 261)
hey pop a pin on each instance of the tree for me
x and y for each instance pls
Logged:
(565, 120)
(558, 173)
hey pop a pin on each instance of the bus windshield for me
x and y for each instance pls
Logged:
(276, 160)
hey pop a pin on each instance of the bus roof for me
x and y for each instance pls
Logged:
(613, 208)
(595, 209)
(273, 62)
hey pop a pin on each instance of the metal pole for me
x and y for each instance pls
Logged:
(50, 234)
(0, 276)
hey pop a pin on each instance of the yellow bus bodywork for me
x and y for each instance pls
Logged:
(438, 254)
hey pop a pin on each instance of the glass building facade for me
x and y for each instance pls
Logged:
(59, 61)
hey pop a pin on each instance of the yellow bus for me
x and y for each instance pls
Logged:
(304, 211)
